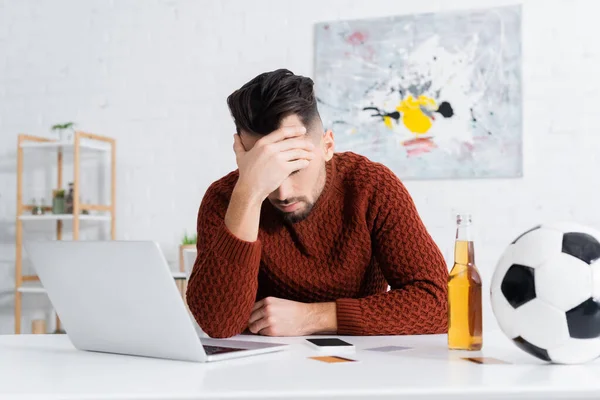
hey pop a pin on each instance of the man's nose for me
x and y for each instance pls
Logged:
(284, 191)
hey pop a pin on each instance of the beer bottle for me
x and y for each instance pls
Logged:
(464, 292)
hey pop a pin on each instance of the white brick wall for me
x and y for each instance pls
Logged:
(155, 74)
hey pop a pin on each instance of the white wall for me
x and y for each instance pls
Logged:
(155, 74)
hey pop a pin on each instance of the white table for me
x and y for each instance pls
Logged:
(47, 366)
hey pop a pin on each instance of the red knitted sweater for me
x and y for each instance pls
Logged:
(363, 233)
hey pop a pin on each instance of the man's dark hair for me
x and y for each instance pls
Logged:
(260, 105)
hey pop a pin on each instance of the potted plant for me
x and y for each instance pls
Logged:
(187, 242)
(65, 131)
(58, 201)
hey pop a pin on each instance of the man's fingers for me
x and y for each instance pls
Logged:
(259, 325)
(295, 143)
(280, 134)
(258, 305)
(256, 315)
(297, 165)
(268, 331)
(297, 154)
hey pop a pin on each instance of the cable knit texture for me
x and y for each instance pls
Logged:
(363, 234)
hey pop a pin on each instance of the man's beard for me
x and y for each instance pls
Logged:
(294, 217)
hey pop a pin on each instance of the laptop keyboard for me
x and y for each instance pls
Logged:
(213, 350)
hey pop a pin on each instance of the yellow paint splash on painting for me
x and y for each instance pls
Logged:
(387, 121)
(412, 115)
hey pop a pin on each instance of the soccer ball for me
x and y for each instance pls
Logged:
(545, 293)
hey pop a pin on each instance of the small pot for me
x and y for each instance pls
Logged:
(58, 205)
(67, 135)
(182, 247)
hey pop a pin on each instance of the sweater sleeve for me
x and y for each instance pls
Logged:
(412, 265)
(224, 280)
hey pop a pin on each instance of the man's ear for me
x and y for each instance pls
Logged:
(328, 144)
(242, 141)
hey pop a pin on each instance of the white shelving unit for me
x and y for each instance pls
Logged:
(83, 143)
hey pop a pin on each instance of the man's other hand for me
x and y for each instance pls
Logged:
(278, 317)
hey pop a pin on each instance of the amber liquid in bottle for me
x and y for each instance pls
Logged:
(464, 293)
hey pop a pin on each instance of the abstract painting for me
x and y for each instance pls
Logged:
(432, 96)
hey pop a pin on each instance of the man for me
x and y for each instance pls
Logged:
(299, 240)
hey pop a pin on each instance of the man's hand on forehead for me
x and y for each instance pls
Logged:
(272, 159)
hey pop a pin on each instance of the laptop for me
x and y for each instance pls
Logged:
(120, 297)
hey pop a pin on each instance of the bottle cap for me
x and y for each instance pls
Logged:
(463, 219)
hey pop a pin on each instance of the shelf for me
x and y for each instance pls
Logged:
(88, 207)
(100, 146)
(31, 289)
(64, 217)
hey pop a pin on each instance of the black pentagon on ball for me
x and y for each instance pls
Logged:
(582, 246)
(531, 348)
(584, 320)
(518, 285)
(525, 233)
